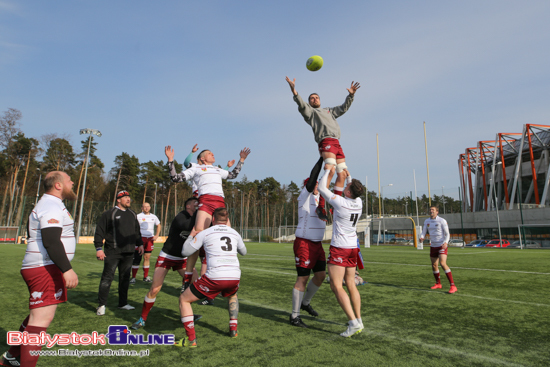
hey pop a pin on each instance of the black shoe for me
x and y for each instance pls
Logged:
(207, 302)
(321, 213)
(233, 333)
(309, 310)
(8, 360)
(197, 317)
(297, 321)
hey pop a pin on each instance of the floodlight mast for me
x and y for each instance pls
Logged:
(98, 134)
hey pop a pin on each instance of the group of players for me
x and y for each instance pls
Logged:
(203, 225)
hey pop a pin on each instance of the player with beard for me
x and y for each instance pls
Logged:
(326, 130)
(117, 230)
(47, 263)
(170, 257)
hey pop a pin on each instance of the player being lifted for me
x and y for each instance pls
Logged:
(187, 164)
(326, 129)
(439, 238)
(208, 180)
(170, 256)
(223, 273)
(342, 258)
(308, 249)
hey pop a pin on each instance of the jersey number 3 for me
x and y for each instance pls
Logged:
(354, 218)
(227, 242)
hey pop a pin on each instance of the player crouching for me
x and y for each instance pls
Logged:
(221, 244)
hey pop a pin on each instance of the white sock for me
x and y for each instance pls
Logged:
(297, 297)
(312, 288)
(353, 323)
(360, 321)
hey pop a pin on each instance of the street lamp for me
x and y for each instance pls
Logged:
(98, 134)
(383, 214)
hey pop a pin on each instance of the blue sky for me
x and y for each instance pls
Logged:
(148, 74)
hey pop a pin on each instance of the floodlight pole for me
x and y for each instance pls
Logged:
(98, 134)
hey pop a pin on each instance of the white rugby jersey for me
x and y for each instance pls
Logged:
(147, 223)
(310, 227)
(220, 244)
(438, 229)
(207, 178)
(346, 215)
(49, 212)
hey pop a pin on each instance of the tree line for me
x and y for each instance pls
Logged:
(263, 203)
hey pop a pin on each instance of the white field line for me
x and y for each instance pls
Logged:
(458, 267)
(453, 267)
(415, 290)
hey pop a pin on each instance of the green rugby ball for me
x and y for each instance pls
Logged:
(314, 63)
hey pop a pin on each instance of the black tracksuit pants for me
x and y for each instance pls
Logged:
(124, 264)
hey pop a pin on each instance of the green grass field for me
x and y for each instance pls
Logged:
(500, 315)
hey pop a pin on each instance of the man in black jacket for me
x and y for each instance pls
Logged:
(119, 228)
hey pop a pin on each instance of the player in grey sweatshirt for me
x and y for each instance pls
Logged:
(326, 129)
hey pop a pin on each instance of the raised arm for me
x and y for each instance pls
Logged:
(314, 175)
(340, 110)
(189, 158)
(244, 153)
(292, 84)
(323, 190)
(174, 176)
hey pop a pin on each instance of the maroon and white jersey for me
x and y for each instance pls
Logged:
(346, 215)
(147, 223)
(207, 178)
(49, 212)
(220, 244)
(438, 229)
(310, 227)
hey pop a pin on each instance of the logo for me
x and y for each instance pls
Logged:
(53, 221)
(428, 225)
(327, 147)
(203, 169)
(160, 261)
(120, 335)
(58, 294)
(436, 224)
(307, 262)
(338, 260)
(143, 219)
(206, 289)
(118, 217)
(333, 197)
(36, 295)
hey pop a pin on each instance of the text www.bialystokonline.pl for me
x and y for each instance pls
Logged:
(90, 353)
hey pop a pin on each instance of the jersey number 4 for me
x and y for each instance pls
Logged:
(354, 218)
(227, 242)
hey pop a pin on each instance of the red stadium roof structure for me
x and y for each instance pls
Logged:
(511, 170)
